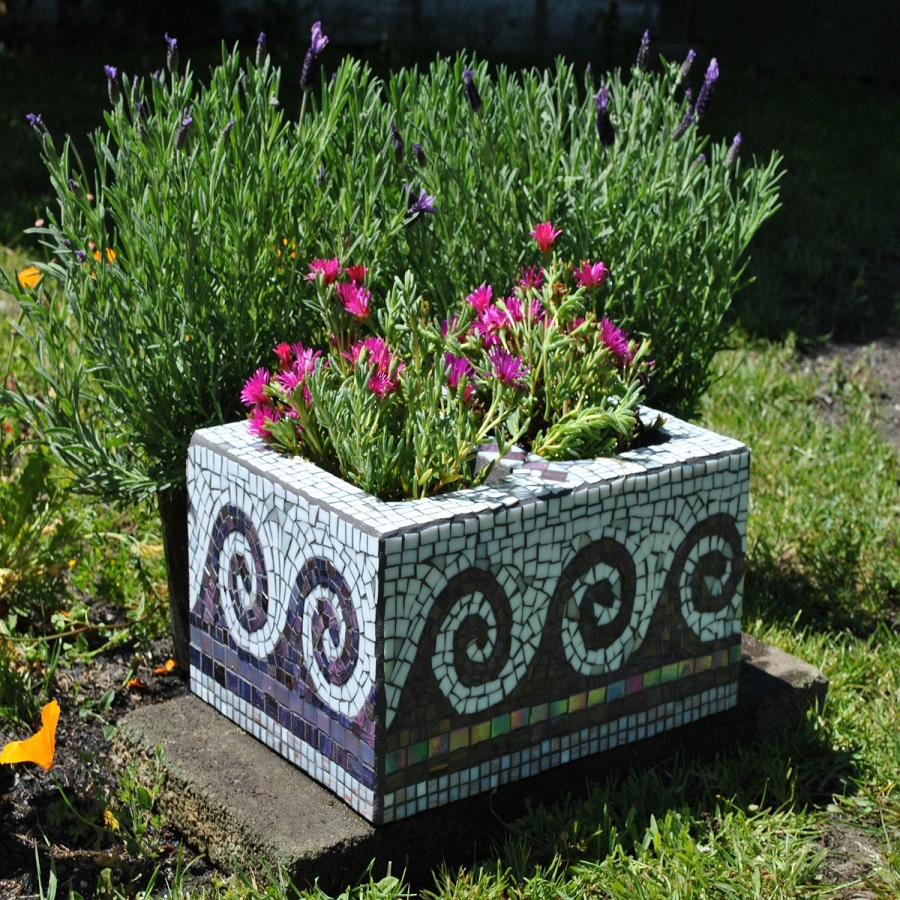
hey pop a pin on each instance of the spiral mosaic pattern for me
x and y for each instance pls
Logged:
(329, 630)
(707, 570)
(473, 642)
(236, 567)
(595, 597)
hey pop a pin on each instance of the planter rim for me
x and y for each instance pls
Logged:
(531, 479)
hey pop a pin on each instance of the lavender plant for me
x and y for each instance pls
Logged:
(178, 253)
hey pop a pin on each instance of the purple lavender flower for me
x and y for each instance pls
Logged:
(80, 256)
(397, 138)
(472, 94)
(685, 69)
(260, 48)
(320, 177)
(172, 54)
(73, 186)
(182, 132)
(735, 148)
(112, 86)
(712, 75)
(310, 70)
(423, 205)
(140, 111)
(419, 154)
(36, 121)
(699, 161)
(643, 53)
(683, 125)
(228, 126)
(604, 125)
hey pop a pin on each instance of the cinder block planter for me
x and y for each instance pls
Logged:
(410, 654)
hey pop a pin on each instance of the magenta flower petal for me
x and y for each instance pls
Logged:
(545, 234)
(254, 391)
(590, 275)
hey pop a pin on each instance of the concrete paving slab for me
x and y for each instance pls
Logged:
(240, 804)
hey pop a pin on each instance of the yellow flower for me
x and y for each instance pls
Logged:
(110, 820)
(29, 277)
(39, 748)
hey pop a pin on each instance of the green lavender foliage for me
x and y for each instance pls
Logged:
(673, 230)
(138, 350)
(213, 225)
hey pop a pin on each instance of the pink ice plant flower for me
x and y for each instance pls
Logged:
(480, 298)
(459, 374)
(254, 391)
(378, 355)
(514, 309)
(285, 355)
(261, 420)
(489, 325)
(506, 367)
(305, 358)
(532, 277)
(590, 275)
(381, 384)
(329, 269)
(354, 298)
(545, 234)
(357, 274)
(617, 341)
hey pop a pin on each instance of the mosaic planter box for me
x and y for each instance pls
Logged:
(409, 654)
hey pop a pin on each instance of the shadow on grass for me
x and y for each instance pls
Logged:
(798, 771)
(780, 595)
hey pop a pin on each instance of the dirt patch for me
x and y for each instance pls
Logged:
(873, 367)
(852, 859)
(35, 817)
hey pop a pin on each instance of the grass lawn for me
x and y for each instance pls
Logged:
(81, 581)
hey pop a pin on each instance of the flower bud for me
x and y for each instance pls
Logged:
(419, 154)
(398, 142)
(643, 53)
(472, 94)
(310, 71)
(260, 48)
(181, 134)
(685, 69)
(732, 154)
(604, 125)
(112, 85)
(172, 54)
(712, 75)
(683, 126)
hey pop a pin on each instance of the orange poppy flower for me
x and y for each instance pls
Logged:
(29, 277)
(40, 747)
(166, 668)
(110, 255)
